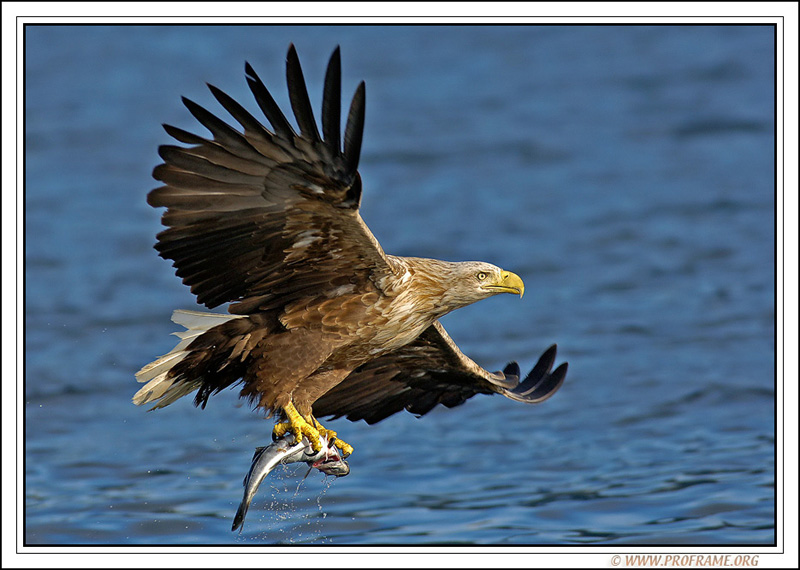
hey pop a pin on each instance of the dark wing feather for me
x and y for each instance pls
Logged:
(268, 105)
(263, 217)
(354, 129)
(298, 95)
(430, 371)
(332, 103)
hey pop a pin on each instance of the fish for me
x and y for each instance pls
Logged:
(283, 451)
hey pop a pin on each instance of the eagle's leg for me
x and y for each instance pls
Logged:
(343, 446)
(299, 426)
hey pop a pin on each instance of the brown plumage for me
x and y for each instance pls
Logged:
(321, 320)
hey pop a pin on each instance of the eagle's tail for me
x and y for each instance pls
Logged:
(186, 367)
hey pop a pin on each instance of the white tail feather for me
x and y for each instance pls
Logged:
(159, 386)
(160, 365)
(198, 320)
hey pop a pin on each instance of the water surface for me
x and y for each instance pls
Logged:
(626, 173)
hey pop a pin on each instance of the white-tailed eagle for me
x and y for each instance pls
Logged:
(321, 321)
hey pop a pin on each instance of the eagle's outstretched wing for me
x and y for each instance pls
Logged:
(261, 218)
(430, 371)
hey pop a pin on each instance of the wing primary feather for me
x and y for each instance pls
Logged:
(545, 363)
(354, 130)
(298, 96)
(540, 383)
(221, 130)
(545, 387)
(268, 105)
(248, 121)
(183, 136)
(512, 370)
(549, 387)
(332, 103)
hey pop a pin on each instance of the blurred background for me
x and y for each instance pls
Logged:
(625, 172)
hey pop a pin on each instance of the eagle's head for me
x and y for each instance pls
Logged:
(471, 281)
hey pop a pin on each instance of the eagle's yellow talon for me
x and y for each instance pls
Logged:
(330, 435)
(344, 447)
(298, 425)
(311, 429)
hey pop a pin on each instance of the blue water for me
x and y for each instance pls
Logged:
(626, 173)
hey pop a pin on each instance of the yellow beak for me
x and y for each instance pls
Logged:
(509, 283)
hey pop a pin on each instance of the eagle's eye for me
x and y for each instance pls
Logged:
(481, 276)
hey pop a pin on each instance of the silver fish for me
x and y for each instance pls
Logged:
(328, 460)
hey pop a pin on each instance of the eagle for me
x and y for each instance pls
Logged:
(321, 321)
